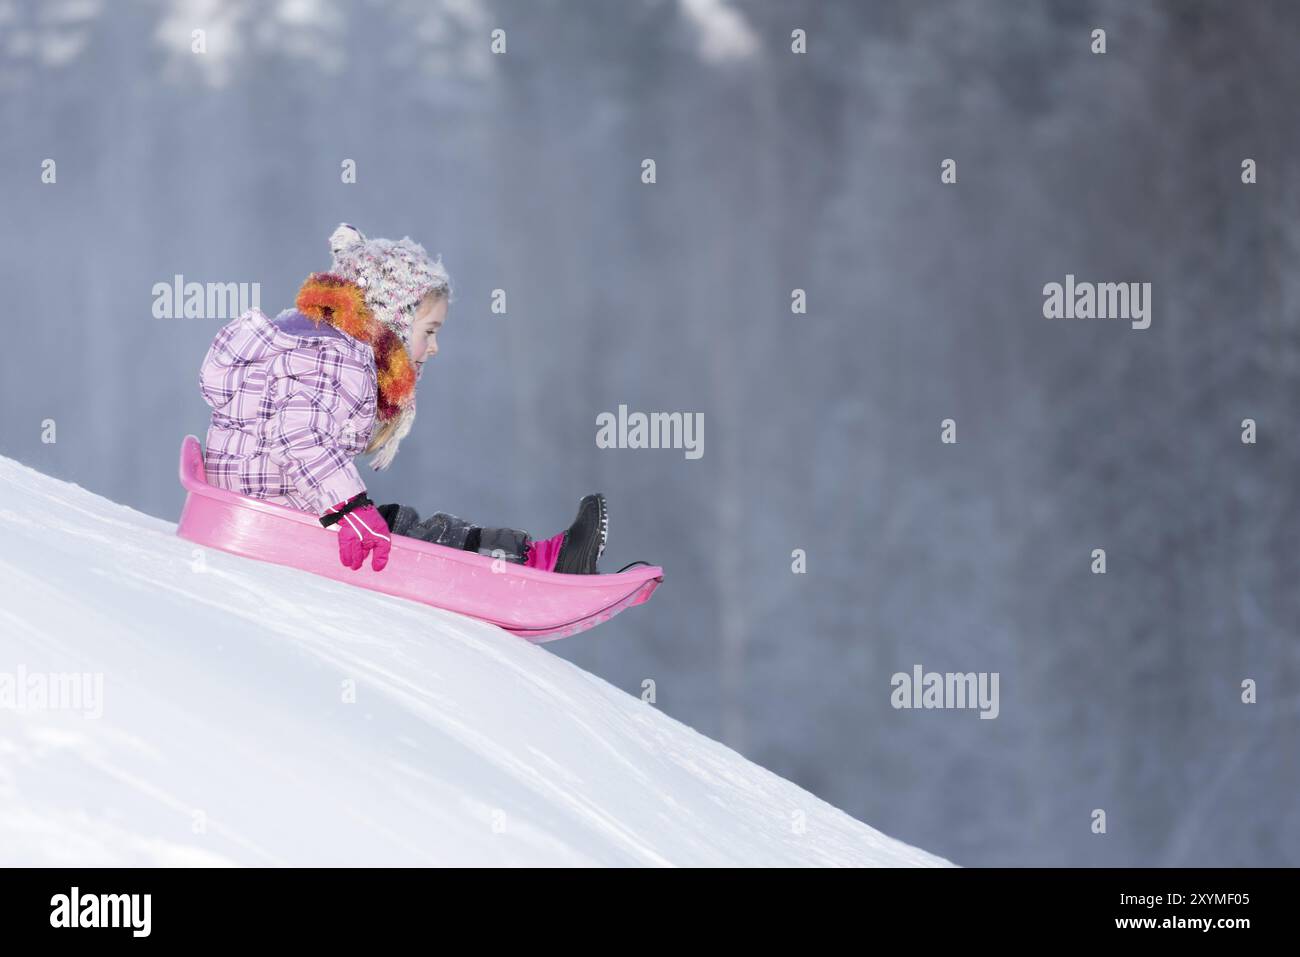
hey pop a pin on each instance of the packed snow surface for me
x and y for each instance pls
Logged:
(164, 704)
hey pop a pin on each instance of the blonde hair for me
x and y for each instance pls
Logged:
(382, 434)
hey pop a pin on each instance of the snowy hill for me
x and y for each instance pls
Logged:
(213, 724)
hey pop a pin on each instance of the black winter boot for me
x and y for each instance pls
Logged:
(584, 542)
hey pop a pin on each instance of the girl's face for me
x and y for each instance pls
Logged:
(424, 329)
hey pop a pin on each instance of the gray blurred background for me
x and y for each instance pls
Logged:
(775, 171)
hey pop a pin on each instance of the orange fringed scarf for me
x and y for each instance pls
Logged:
(326, 297)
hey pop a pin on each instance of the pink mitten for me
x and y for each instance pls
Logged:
(361, 529)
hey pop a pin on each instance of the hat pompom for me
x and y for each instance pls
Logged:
(344, 238)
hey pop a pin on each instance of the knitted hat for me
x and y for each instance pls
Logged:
(394, 275)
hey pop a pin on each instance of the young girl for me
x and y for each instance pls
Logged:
(296, 398)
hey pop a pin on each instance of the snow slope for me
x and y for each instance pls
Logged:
(224, 737)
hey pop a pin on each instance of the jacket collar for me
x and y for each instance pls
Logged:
(326, 297)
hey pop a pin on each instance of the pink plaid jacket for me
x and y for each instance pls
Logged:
(292, 403)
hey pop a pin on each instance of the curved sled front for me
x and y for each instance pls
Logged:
(537, 605)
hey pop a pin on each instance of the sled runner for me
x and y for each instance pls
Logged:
(537, 605)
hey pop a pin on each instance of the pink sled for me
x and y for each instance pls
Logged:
(533, 604)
